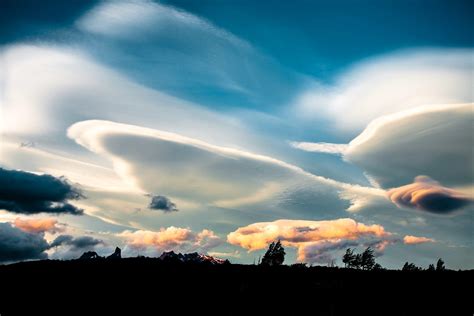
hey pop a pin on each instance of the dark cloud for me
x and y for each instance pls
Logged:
(76, 243)
(28, 193)
(162, 203)
(428, 195)
(18, 245)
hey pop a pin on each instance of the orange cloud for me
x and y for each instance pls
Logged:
(37, 225)
(413, 240)
(311, 238)
(172, 238)
(428, 195)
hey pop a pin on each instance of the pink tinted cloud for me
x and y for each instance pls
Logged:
(428, 195)
(314, 240)
(172, 238)
(413, 240)
(38, 225)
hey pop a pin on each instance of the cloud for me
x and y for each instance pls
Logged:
(428, 195)
(170, 49)
(38, 225)
(429, 140)
(18, 245)
(192, 170)
(328, 148)
(413, 240)
(171, 238)
(314, 240)
(51, 102)
(133, 20)
(390, 84)
(162, 203)
(29, 193)
(76, 243)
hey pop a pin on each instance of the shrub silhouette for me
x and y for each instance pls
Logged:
(410, 267)
(377, 267)
(275, 255)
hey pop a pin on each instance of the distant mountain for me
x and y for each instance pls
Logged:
(167, 257)
(193, 257)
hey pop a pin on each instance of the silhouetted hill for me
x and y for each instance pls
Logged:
(150, 286)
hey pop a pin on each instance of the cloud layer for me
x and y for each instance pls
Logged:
(199, 172)
(29, 193)
(428, 195)
(171, 238)
(314, 240)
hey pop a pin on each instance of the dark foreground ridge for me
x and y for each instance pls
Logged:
(193, 284)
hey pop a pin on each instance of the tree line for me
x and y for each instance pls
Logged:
(275, 256)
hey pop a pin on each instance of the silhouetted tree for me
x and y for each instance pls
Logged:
(377, 267)
(440, 265)
(367, 259)
(348, 258)
(275, 255)
(357, 262)
(410, 267)
(431, 267)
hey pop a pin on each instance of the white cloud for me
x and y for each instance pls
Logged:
(328, 148)
(137, 19)
(390, 84)
(430, 140)
(189, 169)
(50, 88)
(433, 140)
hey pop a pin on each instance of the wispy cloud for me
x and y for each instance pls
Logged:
(390, 84)
(328, 148)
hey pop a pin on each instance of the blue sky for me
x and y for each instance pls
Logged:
(275, 118)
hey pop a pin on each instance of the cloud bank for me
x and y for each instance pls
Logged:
(196, 171)
(171, 238)
(314, 240)
(29, 193)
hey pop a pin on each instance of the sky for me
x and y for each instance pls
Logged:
(221, 126)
